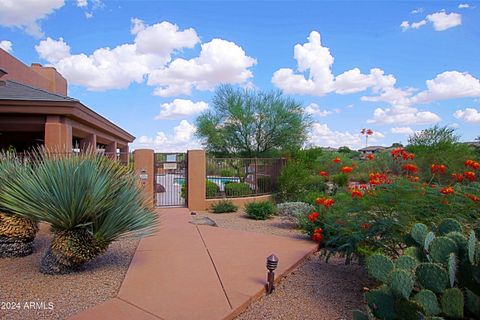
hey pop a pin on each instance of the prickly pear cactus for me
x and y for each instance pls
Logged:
(472, 302)
(401, 283)
(379, 267)
(406, 263)
(380, 302)
(428, 300)
(452, 303)
(449, 225)
(419, 232)
(432, 276)
(440, 249)
(408, 310)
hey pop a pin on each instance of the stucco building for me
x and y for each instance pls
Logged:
(36, 110)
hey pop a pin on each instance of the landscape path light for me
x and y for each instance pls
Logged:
(272, 263)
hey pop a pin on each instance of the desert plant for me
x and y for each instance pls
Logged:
(228, 172)
(237, 189)
(316, 183)
(89, 201)
(293, 181)
(340, 179)
(260, 210)
(223, 206)
(16, 233)
(211, 188)
(291, 211)
(436, 278)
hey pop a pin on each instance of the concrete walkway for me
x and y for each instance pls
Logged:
(197, 272)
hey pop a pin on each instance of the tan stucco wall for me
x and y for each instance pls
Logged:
(46, 78)
(196, 180)
(143, 160)
(239, 202)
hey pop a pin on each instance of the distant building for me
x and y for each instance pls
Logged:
(371, 150)
(36, 111)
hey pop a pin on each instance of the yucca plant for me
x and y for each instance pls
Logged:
(89, 201)
(16, 233)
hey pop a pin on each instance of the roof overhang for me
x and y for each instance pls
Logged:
(70, 109)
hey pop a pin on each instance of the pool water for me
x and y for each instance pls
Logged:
(220, 181)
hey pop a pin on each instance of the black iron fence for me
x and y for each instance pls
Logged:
(242, 177)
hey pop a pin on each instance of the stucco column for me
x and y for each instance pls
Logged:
(89, 143)
(58, 135)
(124, 155)
(111, 150)
(144, 169)
(196, 180)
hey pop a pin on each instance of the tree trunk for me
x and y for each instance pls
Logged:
(69, 251)
(16, 235)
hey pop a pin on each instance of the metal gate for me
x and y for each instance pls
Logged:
(171, 176)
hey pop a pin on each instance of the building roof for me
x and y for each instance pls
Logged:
(11, 90)
(372, 148)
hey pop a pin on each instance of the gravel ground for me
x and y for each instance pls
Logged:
(21, 282)
(315, 290)
(239, 221)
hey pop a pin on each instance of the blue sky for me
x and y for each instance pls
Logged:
(152, 66)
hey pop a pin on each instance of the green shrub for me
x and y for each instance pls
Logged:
(293, 181)
(260, 210)
(212, 189)
(237, 189)
(341, 179)
(316, 183)
(223, 206)
(264, 184)
(228, 172)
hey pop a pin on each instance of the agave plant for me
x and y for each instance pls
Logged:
(16, 233)
(89, 201)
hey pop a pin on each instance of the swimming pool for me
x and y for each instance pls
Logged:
(220, 181)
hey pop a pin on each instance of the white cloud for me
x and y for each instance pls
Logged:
(6, 45)
(405, 25)
(53, 50)
(113, 68)
(463, 6)
(402, 130)
(403, 115)
(162, 38)
(150, 56)
(25, 14)
(180, 108)
(470, 115)
(449, 85)
(322, 135)
(314, 109)
(182, 139)
(82, 3)
(88, 15)
(418, 10)
(315, 77)
(446, 85)
(441, 21)
(220, 61)
(454, 125)
(417, 25)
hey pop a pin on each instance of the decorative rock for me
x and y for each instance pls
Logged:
(204, 221)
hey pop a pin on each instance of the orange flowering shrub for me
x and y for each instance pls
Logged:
(346, 169)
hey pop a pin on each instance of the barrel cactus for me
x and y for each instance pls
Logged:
(439, 278)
